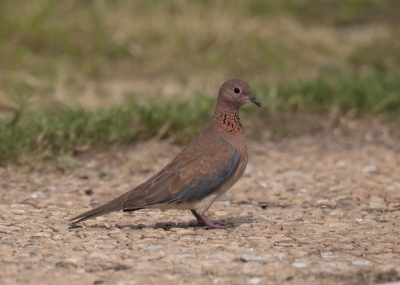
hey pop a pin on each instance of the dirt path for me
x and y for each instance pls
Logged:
(307, 211)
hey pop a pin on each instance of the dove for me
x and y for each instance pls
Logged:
(201, 172)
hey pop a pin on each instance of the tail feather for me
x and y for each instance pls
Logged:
(112, 206)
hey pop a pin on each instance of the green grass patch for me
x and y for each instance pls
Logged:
(375, 93)
(74, 130)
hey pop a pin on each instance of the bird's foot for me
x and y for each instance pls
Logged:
(204, 222)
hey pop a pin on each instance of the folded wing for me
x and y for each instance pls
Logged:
(196, 172)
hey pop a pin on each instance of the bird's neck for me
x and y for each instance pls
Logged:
(226, 121)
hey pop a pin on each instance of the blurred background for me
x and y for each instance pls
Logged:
(76, 74)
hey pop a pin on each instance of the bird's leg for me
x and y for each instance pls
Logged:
(206, 223)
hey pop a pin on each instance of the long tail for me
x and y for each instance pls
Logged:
(114, 205)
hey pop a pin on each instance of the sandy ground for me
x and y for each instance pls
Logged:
(309, 210)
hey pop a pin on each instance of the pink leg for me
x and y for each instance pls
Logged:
(206, 223)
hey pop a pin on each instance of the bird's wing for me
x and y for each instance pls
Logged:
(196, 172)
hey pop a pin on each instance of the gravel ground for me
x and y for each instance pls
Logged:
(309, 210)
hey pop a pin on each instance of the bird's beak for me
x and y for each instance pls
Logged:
(254, 100)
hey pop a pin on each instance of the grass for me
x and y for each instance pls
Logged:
(69, 131)
(374, 94)
(74, 130)
(66, 67)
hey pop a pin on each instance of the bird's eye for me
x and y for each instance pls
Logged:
(236, 90)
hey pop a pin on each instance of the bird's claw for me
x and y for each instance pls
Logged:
(205, 223)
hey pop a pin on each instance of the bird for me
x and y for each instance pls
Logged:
(203, 171)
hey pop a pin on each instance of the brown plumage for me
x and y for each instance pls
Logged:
(201, 172)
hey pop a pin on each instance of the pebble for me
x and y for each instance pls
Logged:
(250, 257)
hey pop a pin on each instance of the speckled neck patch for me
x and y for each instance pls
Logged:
(230, 122)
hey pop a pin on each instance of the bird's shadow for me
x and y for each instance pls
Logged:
(231, 222)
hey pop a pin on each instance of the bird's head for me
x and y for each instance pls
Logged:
(235, 93)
